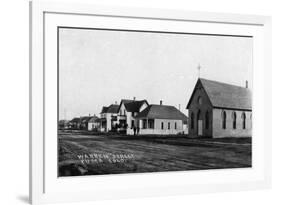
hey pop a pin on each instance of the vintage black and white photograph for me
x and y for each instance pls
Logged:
(135, 101)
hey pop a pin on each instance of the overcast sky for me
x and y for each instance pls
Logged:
(99, 67)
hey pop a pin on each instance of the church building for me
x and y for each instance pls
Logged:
(218, 109)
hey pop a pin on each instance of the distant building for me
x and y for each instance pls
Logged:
(108, 118)
(220, 110)
(84, 122)
(94, 123)
(127, 111)
(75, 123)
(63, 124)
(161, 119)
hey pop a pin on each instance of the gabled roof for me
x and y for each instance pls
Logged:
(161, 112)
(132, 105)
(126, 101)
(85, 119)
(224, 95)
(135, 105)
(94, 119)
(104, 109)
(112, 109)
(76, 119)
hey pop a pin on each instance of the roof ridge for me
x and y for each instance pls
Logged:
(161, 112)
(222, 83)
(225, 95)
(126, 99)
(133, 101)
(113, 105)
(163, 105)
(147, 108)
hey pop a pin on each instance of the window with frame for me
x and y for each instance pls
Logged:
(243, 121)
(223, 120)
(199, 100)
(192, 120)
(144, 124)
(162, 125)
(151, 124)
(198, 115)
(169, 125)
(175, 125)
(234, 120)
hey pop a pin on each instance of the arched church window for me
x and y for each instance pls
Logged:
(198, 115)
(199, 100)
(243, 120)
(234, 120)
(192, 120)
(223, 120)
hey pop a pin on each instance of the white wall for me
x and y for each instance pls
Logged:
(108, 117)
(14, 101)
(122, 109)
(218, 131)
(130, 117)
(108, 121)
(143, 107)
(157, 127)
(92, 125)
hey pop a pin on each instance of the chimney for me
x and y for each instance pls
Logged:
(134, 98)
(161, 102)
(89, 115)
(246, 84)
(115, 102)
(179, 107)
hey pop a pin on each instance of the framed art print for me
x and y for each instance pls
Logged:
(129, 102)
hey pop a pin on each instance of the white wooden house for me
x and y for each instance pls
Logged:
(84, 122)
(127, 111)
(108, 118)
(94, 123)
(161, 120)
